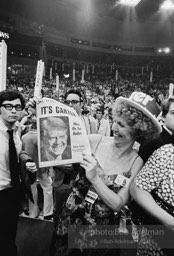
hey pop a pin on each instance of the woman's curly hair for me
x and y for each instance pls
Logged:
(142, 127)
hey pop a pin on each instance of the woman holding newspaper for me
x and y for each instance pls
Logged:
(100, 190)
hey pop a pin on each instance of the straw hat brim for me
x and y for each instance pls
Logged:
(139, 107)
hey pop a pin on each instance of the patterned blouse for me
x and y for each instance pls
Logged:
(158, 174)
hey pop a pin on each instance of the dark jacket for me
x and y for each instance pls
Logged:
(27, 178)
(147, 148)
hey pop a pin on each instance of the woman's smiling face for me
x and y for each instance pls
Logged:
(121, 132)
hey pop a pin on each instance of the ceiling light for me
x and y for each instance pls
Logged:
(167, 50)
(167, 5)
(129, 2)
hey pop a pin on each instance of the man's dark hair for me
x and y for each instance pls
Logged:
(85, 112)
(11, 95)
(166, 105)
(72, 91)
(101, 109)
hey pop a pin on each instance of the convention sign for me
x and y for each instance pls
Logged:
(4, 35)
(61, 134)
(39, 77)
(171, 87)
(57, 83)
(3, 65)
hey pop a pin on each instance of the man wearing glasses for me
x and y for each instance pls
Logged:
(11, 105)
(73, 98)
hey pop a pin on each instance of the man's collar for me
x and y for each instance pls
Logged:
(5, 128)
(170, 132)
(2, 125)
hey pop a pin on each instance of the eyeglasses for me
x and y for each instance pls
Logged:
(73, 102)
(10, 107)
(99, 112)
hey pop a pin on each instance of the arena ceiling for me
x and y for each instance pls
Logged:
(100, 19)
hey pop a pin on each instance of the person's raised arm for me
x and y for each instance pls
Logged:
(33, 101)
(146, 201)
(113, 200)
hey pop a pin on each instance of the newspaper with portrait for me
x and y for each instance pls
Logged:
(61, 134)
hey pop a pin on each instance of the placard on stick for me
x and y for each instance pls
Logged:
(3, 65)
(171, 89)
(38, 81)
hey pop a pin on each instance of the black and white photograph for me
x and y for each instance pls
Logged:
(86, 127)
(55, 139)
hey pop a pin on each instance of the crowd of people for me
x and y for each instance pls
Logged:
(125, 184)
(95, 86)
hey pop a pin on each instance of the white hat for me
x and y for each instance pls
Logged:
(145, 103)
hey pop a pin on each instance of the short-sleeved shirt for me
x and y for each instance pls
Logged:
(158, 174)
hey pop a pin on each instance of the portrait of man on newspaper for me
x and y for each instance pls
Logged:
(55, 138)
